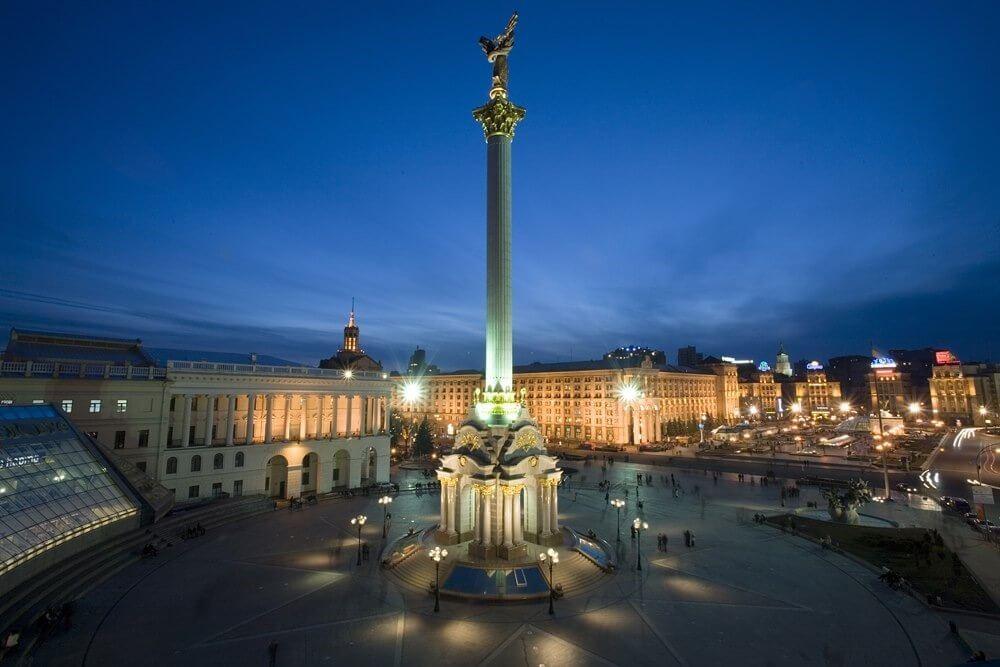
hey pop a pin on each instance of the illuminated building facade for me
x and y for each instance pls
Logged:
(782, 362)
(890, 389)
(814, 391)
(580, 401)
(211, 425)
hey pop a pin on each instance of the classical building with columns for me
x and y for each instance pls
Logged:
(581, 401)
(221, 424)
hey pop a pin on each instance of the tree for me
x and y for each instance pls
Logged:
(423, 443)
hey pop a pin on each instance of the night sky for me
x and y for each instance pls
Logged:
(227, 176)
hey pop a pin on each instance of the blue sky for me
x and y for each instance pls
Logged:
(728, 175)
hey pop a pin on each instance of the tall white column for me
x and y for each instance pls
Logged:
(487, 518)
(477, 515)
(251, 404)
(303, 414)
(186, 422)
(333, 416)
(231, 419)
(269, 419)
(554, 507)
(288, 416)
(453, 506)
(518, 534)
(363, 425)
(349, 416)
(508, 521)
(319, 416)
(209, 418)
(443, 521)
(546, 514)
(388, 417)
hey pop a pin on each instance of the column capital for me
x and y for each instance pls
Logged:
(499, 116)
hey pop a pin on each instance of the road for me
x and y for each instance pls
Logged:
(949, 468)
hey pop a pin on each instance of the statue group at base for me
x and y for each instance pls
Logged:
(843, 507)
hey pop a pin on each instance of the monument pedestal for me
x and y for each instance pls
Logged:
(481, 551)
(513, 552)
(445, 537)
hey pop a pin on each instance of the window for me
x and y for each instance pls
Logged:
(172, 465)
(67, 406)
(305, 478)
(121, 406)
(196, 463)
(336, 474)
(216, 489)
(193, 491)
(119, 439)
(239, 459)
(217, 462)
(95, 405)
(144, 437)
(238, 487)
(170, 437)
(173, 401)
(191, 436)
(141, 465)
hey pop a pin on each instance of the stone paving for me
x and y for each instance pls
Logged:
(745, 594)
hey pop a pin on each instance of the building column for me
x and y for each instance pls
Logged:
(209, 418)
(231, 420)
(554, 507)
(487, 517)
(347, 427)
(269, 419)
(508, 517)
(443, 521)
(544, 497)
(303, 415)
(319, 417)
(333, 416)
(452, 506)
(477, 532)
(518, 535)
(387, 417)
(186, 422)
(288, 416)
(251, 400)
(363, 409)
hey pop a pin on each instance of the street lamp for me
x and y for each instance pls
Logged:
(618, 504)
(845, 407)
(436, 554)
(553, 557)
(913, 408)
(385, 501)
(359, 521)
(796, 407)
(754, 410)
(639, 526)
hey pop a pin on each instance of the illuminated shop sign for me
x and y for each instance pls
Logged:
(763, 367)
(814, 366)
(884, 362)
(945, 358)
(17, 461)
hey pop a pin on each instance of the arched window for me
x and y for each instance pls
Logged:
(239, 459)
(217, 462)
(305, 461)
(196, 463)
(171, 465)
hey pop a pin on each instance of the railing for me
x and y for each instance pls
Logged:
(89, 371)
(285, 371)
(107, 371)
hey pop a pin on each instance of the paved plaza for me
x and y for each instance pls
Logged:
(744, 594)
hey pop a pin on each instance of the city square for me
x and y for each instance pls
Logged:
(206, 458)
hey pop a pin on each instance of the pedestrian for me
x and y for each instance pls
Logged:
(632, 528)
(665, 541)
(687, 538)
(607, 498)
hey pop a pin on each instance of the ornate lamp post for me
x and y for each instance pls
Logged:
(385, 501)
(618, 504)
(553, 558)
(436, 554)
(639, 526)
(359, 521)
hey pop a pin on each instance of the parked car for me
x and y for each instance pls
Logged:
(903, 487)
(958, 504)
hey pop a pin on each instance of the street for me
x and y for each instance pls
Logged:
(953, 463)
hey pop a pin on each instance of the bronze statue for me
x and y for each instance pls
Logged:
(496, 51)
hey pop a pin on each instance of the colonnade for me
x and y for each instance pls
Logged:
(319, 417)
(505, 501)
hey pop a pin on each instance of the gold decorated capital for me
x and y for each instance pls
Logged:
(469, 439)
(499, 116)
(485, 490)
(449, 481)
(525, 440)
(512, 490)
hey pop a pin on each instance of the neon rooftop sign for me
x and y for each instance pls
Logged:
(884, 362)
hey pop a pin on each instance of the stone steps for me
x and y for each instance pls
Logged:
(75, 576)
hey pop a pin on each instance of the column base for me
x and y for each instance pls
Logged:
(481, 551)
(551, 539)
(513, 552)
(445, 537)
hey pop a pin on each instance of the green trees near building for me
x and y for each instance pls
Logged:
(423, 442)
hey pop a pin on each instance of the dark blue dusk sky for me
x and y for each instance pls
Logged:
(226, 176)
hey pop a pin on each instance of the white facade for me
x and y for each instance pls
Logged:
(190, 425)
